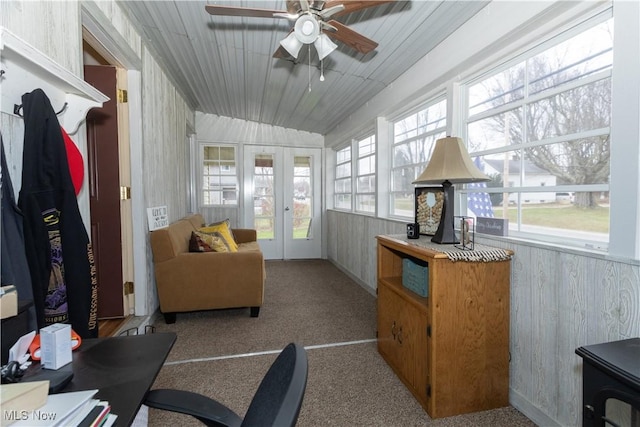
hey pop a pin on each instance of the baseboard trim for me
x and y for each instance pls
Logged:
(139, 323)
(353, 277)
(532, 412)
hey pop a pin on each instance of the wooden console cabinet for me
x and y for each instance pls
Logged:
(451, 349)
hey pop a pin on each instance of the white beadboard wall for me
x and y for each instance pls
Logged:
(121, 23)
(55, 28)
(51, 27)
(561, 299)
(165, 152)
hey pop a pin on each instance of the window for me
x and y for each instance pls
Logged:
(539, 127)
(303, 198)
(366, 175)
(219, 178)
(342, 184)
(264, 196)
(413, 141)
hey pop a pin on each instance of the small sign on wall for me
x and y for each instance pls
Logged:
(158, 217)
(495, 226)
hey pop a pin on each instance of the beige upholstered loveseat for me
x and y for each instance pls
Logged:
(190, 281)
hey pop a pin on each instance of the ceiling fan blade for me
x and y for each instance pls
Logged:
(330, 11)
(351, 38)
(293, 7)
(354, 5)
(244, 11)
(281, 52)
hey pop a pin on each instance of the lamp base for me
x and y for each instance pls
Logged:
(445, 235)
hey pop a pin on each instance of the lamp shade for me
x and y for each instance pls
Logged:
(324, 46)
(292, 45)
(450, 161)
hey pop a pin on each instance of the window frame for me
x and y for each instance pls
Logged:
(579, 26)
(346, 193)
(418, 167)
(371, 155)
(202, 178)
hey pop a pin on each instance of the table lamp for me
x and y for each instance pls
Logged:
(449, 164)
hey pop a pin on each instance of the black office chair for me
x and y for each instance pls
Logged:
(277, 401)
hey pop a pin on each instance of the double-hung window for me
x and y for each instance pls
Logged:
(539, 127)
(366, 175)
(342, 183)
(219, 175)
(413, 140)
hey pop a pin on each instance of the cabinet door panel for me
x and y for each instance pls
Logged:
(402, 337)
(413, 347)
(389, 307)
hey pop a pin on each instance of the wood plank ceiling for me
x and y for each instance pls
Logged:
(224, 65)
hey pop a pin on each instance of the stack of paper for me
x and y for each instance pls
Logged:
(93, 414)
(21, 398)
(76, 408)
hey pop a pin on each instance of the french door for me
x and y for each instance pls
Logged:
(282, 200)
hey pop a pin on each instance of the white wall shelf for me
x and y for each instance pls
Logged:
(24, 68)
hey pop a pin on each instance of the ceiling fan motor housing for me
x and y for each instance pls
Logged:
(307, 29)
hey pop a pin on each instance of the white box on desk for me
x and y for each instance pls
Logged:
(55, 346)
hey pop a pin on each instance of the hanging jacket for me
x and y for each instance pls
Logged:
(58, 250)
(15, 269)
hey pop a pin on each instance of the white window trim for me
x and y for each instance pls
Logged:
(200, 178)
(356, 146)
(579, 25)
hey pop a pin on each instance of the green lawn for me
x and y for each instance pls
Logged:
(298, 233)
(562, 216)
(566, 217)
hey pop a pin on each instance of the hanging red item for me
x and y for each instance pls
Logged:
(74, 158)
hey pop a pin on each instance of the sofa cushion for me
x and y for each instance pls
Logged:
(249, 247)
(203, 242)
(222, 229)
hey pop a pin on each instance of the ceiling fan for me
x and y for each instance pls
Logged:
(312, 24)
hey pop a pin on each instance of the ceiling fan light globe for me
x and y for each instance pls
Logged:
(292, 45)
(307, 29)
(324, 46)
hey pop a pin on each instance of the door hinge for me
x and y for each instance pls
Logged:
(123, 96)
(128, 288)
(125, 193)
(428, 390)
(428, 330)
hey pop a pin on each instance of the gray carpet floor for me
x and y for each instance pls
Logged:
(225, 353)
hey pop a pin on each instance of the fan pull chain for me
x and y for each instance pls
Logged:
(321, 70)
(309, 55)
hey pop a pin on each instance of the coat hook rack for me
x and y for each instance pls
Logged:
(26, 68)
(17, 108)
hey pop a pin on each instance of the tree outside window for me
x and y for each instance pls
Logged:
(542, 125)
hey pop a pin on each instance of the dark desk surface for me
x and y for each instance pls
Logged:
(121, 368)
(620, 359)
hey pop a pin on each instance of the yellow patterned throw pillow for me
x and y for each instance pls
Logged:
(223, 230)
(203, 242)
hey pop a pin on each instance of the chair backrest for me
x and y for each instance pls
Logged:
(279, 397)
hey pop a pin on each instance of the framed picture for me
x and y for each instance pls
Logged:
(429, 202)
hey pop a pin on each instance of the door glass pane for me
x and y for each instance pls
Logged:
(302, 197)
(263, 196)
(620, 413)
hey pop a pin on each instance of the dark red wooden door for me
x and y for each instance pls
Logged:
(104, 190)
